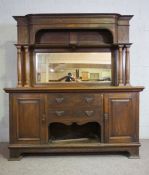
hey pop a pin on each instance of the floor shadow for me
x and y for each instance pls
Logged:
(4, 152)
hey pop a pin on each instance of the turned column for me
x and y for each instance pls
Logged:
(27, 67)
(115, 67)
(127, 65)
(121, 65)
(19, 66)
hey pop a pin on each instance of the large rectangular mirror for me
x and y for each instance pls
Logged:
(73, 67)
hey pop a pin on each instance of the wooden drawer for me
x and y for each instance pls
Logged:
(74, 99)
(69, 115)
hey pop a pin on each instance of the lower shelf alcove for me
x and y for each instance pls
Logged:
(60, 133)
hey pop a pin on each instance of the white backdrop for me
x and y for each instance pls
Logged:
(139, 35)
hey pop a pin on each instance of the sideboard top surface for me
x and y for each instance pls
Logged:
(76, 89)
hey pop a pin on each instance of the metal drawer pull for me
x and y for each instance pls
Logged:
(43, 118)
(89, 113)
(59, 99)
(59, 113)
(106, 116)
(88, 99)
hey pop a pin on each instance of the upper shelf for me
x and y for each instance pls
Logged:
(34, 28)
(76, 14)
(69, 33)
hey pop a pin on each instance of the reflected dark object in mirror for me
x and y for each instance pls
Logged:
(77, 73)
(105, 79)
(69, 77)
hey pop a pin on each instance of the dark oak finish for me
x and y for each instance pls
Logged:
(127, 66)
(28, 110)
(73, 33)
(19, 66)
(115, 109)
(107, 115)
(120, 118)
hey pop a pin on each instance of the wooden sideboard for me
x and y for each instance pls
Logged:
(115, 109)
(73, 117)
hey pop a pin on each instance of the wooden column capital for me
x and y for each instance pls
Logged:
(18, 47)
(26, 48)
(127, 45)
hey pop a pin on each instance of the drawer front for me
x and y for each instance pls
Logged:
(82, 114)
(74, 99)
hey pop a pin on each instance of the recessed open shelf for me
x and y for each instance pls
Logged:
(72, 134)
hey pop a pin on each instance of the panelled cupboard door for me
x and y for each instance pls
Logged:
(121, 112)
(27, 119)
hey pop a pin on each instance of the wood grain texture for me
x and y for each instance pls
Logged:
(72, 33)
(19, 66)
(116, 113)
(27, 67)
(127, 66)
(107, 114)
(121, 117)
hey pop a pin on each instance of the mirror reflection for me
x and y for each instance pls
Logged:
(73, 67)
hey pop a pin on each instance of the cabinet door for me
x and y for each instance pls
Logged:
(27, 123)
(121, 117)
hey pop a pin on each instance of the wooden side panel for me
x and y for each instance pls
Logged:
(23, 30)
(28, 118)
(120, 125)
(28, 112)
(120, 116)
(123, 34)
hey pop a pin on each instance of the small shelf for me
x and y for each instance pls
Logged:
(75, 142)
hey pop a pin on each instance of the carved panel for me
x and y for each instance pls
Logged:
(28, 117)
(120, 111)
(120, 118)
(28, 114)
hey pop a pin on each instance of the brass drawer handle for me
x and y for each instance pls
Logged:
(59, 99)
(59, 113)
(89, 113)
(43, 118)
(88, 99)
(106, 116)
